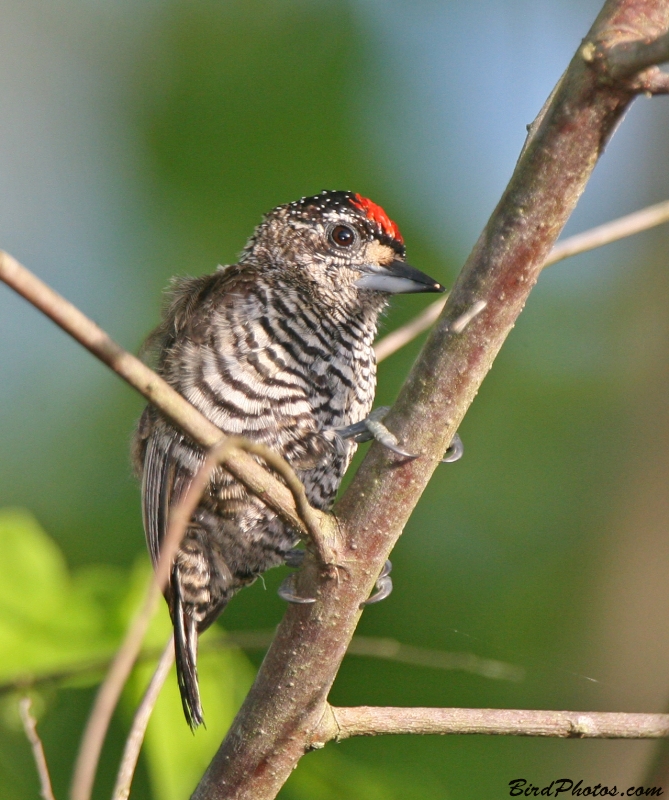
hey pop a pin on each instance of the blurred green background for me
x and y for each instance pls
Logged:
(143, 140)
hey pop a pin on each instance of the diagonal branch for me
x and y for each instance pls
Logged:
(110, 690)
(609, 232)
(133, 743)
(290, 503)
(618, 56)
(108, 694)
(281, 715)
(288, 499)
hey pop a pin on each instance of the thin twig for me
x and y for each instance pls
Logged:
(367, 646)
(158, 392)
(234, 453)
(342, 723)
(30, 728)
(289, 501)
(107, 698)
(406, 333)
(393, 650)
(390, 650)
(180, 516)
(110, 691)
(513, 244)
(133, 743)
(610, 232)
(315, 523)
(218, 455)
(458, 325)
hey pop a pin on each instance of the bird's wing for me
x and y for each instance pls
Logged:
(189, 300)
(166, 461)
(164, 483)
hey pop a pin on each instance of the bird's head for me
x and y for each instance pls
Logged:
(339, 246)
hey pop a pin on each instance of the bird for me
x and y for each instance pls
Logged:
(277, 348)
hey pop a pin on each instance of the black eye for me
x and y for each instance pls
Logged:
(343, 236)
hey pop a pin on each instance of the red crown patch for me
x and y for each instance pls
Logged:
(378, 215)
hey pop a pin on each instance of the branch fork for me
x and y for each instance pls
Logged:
(623, 59)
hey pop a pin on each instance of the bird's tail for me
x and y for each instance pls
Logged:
(185, 650)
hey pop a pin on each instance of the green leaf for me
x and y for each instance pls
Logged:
(160, 627)
(49, 619)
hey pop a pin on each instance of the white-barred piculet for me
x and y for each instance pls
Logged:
(277, 348)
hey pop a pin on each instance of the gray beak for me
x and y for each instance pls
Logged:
(396, 278)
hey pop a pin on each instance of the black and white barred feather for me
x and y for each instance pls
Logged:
(277, 348)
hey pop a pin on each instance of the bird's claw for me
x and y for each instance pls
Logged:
(372, 428)
(294, 557)
(287, 592)
(455, 450)
(391, 445)
(384, 586)
(360, 430)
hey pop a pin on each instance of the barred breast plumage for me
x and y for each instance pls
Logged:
(277, 348)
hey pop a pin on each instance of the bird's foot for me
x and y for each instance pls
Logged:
(455, 450)
(384, 586)
(294, 557)
(372, 428)
(287, 592)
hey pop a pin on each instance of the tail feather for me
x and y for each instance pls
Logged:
(185, 650)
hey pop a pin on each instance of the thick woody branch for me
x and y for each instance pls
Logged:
(285, 707)
(342, 723)
(285, 710)
(360, 645)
